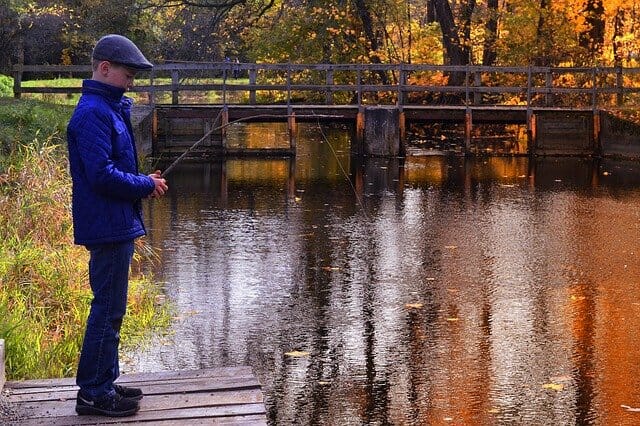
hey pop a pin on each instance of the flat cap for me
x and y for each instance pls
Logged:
(117, 48)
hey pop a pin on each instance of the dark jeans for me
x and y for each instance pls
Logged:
(109, 279)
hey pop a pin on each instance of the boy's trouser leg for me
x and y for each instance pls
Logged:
(109, 277)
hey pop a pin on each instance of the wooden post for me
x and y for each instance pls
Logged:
(329, 92)
(293, 131)
(619, 86)
(17, 82)
(2, 372)
(532, 133)
(477, 82)
(289, 85)
(291, 179)
(594, 89)
(252, 82)
(468, 124)
(358, 147)
(529, 87)
(154, 134)
(466, 86)
(596, 132)
(224, 122)
(175, 81)
(403, 133)
(359, 83)
(152, 92)
(402, 82)
(548, 83)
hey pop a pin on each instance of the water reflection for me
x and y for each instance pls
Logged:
(432, 290)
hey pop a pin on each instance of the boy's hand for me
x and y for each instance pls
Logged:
(160, 182)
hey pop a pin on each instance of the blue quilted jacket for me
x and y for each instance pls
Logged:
(107, 187)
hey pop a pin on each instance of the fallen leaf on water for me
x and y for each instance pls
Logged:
(553, 386)
(558, 180)
(330, 268)
(493, 411)
(451, 247)
(413, 305)
(323, 383)
(452, 319)
(605, 173)
(297, 354)
(430, 279)
(452, 290)
(448, 419)
(632, 409)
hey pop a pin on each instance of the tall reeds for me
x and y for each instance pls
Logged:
(44, 290)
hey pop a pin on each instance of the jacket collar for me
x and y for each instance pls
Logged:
(111, 93)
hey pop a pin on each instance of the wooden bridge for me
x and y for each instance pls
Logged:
(564, 109)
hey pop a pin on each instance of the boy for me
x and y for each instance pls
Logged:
(107, 218)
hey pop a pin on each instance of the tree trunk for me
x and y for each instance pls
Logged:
(431, 12)
(542, 37)
(367, 26)
(618, 31)
(593, 38)
(489, 54)
(457, 51)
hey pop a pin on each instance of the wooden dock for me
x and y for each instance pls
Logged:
(219, 396)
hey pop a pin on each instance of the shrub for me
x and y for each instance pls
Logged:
(6, 86)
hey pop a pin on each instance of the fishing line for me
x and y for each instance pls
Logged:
(184, 154)
(344, 172)
(222, 126)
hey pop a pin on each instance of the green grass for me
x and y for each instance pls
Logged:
(44, 290)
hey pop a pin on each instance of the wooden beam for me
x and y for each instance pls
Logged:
(2, 372)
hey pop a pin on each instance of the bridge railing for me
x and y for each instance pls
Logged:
(361, 84)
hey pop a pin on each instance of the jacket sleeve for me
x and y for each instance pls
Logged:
(109, 173)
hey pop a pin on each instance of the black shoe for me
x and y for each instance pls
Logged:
(110, 406)
(131, 393)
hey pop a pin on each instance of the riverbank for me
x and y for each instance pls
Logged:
(44, 290)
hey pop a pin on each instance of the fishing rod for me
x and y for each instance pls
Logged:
(222, 126)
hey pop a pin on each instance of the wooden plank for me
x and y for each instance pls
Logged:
(247, 420)
(185, 415)
(242, 371)
(49, 394)
(61, 408)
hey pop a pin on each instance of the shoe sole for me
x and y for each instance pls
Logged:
(84, 410)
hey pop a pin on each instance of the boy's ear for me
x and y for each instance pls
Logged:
(103, 67)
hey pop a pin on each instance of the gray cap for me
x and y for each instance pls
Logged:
(117, 48)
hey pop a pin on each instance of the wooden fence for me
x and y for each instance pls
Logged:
(370, 84)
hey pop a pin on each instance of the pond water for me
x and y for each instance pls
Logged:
(434, 290)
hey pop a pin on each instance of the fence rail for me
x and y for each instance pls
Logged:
(362, 84)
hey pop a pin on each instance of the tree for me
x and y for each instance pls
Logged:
(455, 36)
(489, 53)
(10, 37)
(592, 37)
